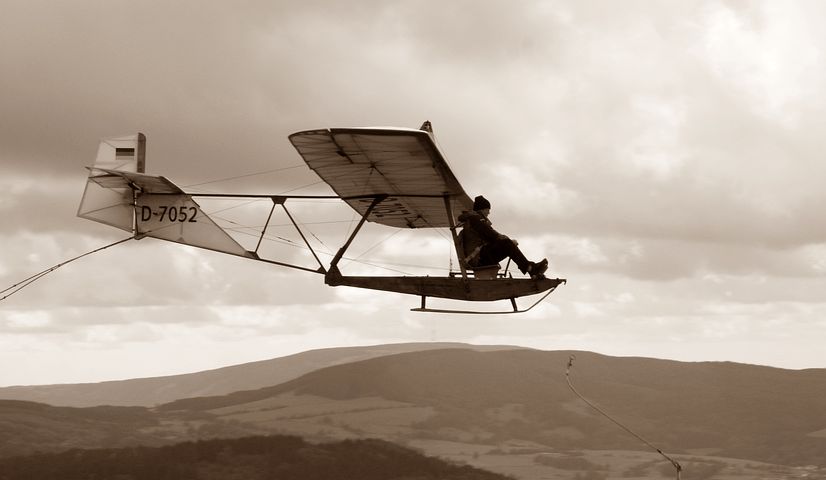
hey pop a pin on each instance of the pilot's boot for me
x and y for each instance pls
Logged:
(537, 270)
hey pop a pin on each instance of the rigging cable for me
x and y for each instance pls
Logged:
(386, 238)
(243, 176)
(28, 281)
(676, 464)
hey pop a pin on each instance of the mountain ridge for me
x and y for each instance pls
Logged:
(446, 396)
(735, 409)
(152, 391)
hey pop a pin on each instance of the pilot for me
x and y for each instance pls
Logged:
(485, 246)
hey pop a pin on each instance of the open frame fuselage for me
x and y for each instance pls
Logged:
(395, 177)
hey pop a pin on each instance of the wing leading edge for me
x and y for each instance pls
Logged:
(404, 164)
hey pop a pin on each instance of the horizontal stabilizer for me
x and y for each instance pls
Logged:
(118, 193)
(139, 182)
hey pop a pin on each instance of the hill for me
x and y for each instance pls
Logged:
(728, 409)
(251, 458)
(491, 409)
(157, 390)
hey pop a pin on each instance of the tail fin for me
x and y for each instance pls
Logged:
(112, 204)
(127, 154)
(118, 193)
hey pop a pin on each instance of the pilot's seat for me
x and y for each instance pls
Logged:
(485, 272)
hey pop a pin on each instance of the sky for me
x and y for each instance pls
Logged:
(664, 156)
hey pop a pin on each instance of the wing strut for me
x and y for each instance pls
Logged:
(459, 248)
(284, 206)
(334, 263)
(266, 224)
(282, 200)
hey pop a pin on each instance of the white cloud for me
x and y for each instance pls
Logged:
(771, 54)
(28, 321)
(587, 310)
(666, 158)
(656, 151)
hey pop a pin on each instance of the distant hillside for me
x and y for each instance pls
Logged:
(252, 458)
(736, 410)
(470, 404)
(157, 390)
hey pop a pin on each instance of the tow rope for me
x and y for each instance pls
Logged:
(37, 276)
(676, 464)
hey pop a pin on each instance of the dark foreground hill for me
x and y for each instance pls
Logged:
(250, 458)
(148, 392)
(28, 427)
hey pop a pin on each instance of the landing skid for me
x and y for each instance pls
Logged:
(424, 308)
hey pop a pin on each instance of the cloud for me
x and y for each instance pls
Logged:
(665, 157)
(774, 63)
(657, 259)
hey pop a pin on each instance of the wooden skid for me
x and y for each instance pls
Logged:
(470, 289)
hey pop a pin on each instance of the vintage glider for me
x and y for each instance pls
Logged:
(392, 176)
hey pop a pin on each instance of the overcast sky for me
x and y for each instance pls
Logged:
(664, 155)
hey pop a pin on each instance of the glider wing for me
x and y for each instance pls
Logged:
(403, 164)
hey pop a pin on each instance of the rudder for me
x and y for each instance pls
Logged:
(112, 204)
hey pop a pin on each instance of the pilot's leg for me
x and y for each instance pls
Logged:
(498, 250)
(495, 252)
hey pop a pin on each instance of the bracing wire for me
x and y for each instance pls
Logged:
(386, 238)
(317, 239)
(37, 276)
(242, 229)
(382, 264)
(301, 187)
(243, 176)
(676, 464)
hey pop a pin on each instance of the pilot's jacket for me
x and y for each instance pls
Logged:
(477, 231)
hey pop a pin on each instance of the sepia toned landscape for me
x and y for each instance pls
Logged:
(383, 239)
(507, 411)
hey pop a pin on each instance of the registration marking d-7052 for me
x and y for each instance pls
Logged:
(170, 214)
